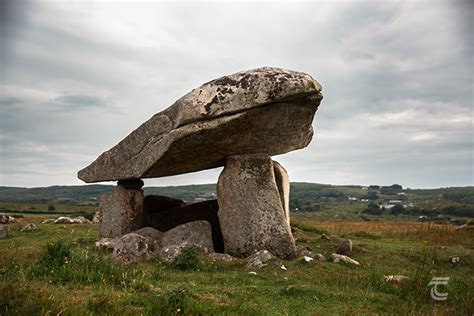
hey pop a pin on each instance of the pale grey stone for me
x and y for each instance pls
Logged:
(4, 230)
(345, 247)
(342, 258)
(130, 248)
(121, 212)
(283, 184)
(265, 110)
(29, 227)
(193, 233)
(250, 210)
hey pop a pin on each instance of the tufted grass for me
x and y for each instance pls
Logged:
(57, 269)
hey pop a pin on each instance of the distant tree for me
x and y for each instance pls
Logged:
(397, 209)
(397, 186)
(374, 187)
(372, 195)
(51, 208)
(373, 209)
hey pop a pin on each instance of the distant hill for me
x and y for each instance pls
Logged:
(304, 196)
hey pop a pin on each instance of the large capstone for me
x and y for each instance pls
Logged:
(265, 110)
(251, 213)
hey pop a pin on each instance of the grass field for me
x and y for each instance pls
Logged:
(71, 277)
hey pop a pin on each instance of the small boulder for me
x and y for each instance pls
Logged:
(319, 257)
(454, 260)
(130, 248)
(330, 238)
(152, 235)
(342, 258)
(96, 218)
(307, 259)
(4, 229)
(345, 247)
(221, 257)
(169, 253)
(258, 259)
(396, 280)
(193, 233)
(48, 221)
(4, 219)
(11, 219)
(63, 220)
(29, 227)
(81, 220)
(105, 243)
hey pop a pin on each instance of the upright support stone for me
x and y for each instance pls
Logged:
(283, 184)
(122, 211)
(250, 213)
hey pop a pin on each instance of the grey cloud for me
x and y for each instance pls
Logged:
(397, 80)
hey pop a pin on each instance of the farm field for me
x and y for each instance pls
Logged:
(57, 269)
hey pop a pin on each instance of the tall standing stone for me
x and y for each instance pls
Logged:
(283, 184)
(251, 214)
(122, 211)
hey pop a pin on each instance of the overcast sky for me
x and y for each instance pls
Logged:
(397, 77)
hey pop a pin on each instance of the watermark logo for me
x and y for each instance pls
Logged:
(437, 296)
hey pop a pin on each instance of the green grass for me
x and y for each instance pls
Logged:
(57, 269)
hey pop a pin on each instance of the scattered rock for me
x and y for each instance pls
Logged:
(130, 248)
(454, 260)
(3, 219)
(307, 259)
(342, 258)
(106, 243)
(319, 257)
(4, 230)
(48, 221)
(258, 259)
(69, 220)
(345, 247)
(282, 266)
(253, 273)
(396, 280)
(221, 257)
(29, 227)
(330, 238)
(169, 253)
(96, 218)
(7, 219)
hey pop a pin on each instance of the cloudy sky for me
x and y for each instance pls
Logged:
(77, 77)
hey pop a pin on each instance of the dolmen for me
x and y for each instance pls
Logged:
(237, 121)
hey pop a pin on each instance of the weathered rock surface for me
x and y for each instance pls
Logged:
(121, 212)
(396, 280)
(225, 257)
(4, 230)
(283, 184)
(130, 248)
(341, 258)
(153, 237)
(165, 216)
(69, 220)
(250, 211)
(265, 110)
(345, 247)
(106, 243)
(193, 233)
(48, 221)
(29, 227)
(96, 218)
(6, 219)
(258, 259)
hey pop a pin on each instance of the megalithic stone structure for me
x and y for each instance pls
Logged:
(238, 121)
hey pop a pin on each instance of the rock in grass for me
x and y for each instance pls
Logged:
(6, 219)
(345, 247)
(396, 280)
(105, 243)
(152, 235)
(130, 248)
(29, 227)
(48, 221)
(307, 259)
(96, 218)
(341, 258)
(258, 259)
(4, 229)
(454, 260)
(69, 220)
(221, 257)
(197, 233)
